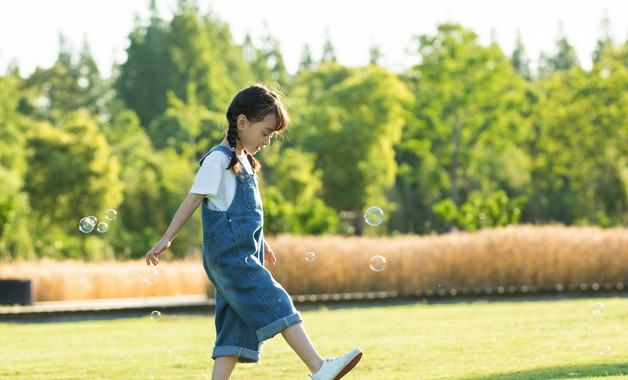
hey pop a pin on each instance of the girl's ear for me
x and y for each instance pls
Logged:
(242, 122)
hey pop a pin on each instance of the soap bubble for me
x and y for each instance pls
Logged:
(150, 275)
(111, 214)
(310, 256)
(93, 218)
(86, 225)
(598, 308)
(605, 350)
(374, 216)
(378, 263)
(155, 315)
(102, 227)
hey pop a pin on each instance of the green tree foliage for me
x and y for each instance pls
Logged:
(266, 62)
(188, 128)
(149, 71)
(71, 175)
(291, 189)
(12, 163)
(256, 59)
(581, 145)
(604, 42)
(481, 211)
(375, 54)
(351, 119)
(154, 185)
(68, 85)
(564, 59)
(329, 52)
(14, 210)
(520, 61)
(306, 63)
(467, 131)
(466, 139)
(166, 58)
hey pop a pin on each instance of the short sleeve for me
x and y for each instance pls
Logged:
(209, 175)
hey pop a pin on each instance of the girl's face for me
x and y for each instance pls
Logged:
(255, 135)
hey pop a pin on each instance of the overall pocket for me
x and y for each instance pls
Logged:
(250, 200)
(211, 254)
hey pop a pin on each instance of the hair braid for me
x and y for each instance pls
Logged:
(232, 139)
(254, 162)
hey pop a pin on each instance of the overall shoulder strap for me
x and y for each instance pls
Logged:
(220, 148)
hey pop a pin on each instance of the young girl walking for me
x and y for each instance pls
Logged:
(251, 306)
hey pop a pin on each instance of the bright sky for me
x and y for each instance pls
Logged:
(29, 29)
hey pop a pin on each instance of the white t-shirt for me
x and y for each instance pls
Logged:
(215, 182)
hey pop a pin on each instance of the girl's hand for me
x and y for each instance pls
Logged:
(151, 256)
(269, 255)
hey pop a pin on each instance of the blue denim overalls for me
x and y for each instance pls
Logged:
(250, 305)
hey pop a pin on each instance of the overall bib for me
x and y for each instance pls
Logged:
(250, 305)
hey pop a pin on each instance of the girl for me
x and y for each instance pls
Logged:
(250, 305)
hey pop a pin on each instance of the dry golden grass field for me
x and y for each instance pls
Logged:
(492, 260)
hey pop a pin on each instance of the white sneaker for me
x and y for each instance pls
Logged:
(335, 368)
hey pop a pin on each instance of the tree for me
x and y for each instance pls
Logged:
(191, 49)
(186, 128)
(71, 175)
(329, 53)
(256, 59)
(564, 59)
(307, 63)
(149, 71)
(267, 62)
(351, 119)
(467, 130)
(520, 61)
(274, 59)
(291, 193)
(375, 54)
(580, 145)
(68, 85)
(605, 41)
(15, 240)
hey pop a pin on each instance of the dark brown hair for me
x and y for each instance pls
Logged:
(254, 102)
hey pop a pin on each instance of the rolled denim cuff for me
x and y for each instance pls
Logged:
(278, 326)
(244, 355)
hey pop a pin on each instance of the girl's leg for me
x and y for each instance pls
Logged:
(297, 338)
(223, 367)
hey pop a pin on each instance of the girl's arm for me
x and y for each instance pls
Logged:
(269, 255)
(187, 208)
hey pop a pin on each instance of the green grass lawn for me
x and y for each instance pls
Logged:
(502, 340)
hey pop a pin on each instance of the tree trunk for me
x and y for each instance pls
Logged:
(453, 175)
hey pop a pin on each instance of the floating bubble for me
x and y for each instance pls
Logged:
(374, 216)
(605, 350)
(155, 315)
(378, 263)
(310, 256)
(598, 308)
(86, 225)
(93, 219)
(150, 275)
(111, 214)
(102, 227)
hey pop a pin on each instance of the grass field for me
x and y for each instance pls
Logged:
(551, 339)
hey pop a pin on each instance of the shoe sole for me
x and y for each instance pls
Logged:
(349, 366)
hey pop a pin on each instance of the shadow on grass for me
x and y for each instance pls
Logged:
(564, 372)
